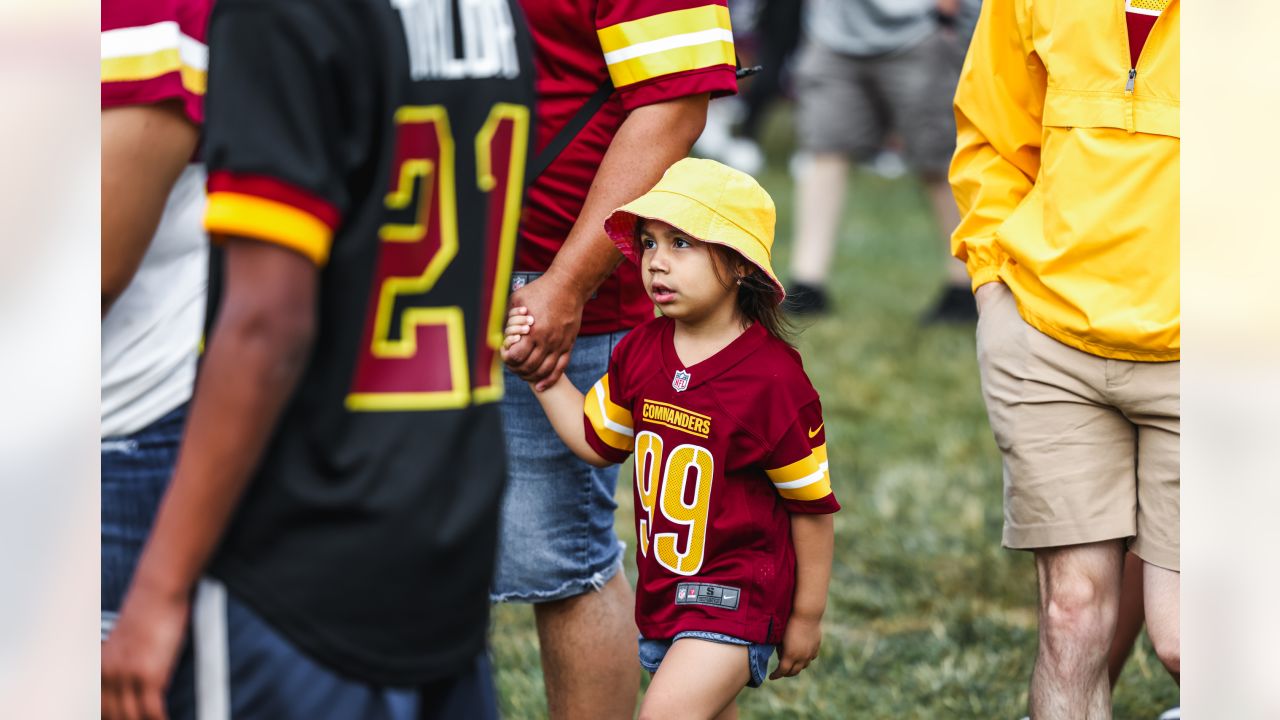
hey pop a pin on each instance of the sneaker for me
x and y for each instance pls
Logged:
(888, 164)
(1173, 713)
(955, 306)
(798, 164)
(805, 299)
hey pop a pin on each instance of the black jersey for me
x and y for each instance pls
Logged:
(386, 140)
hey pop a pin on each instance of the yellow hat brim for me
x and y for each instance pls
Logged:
(692, 218)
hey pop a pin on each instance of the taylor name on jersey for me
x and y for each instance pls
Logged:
(488, 39)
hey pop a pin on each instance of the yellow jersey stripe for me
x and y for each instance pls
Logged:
(613, 411)
(647, 67)
(146, 67)
(615, 435)
(812, 491)
(230, 213)
(147, 39)
(670, 42)
(662, 45)
(802, 468)
(663, 25)
(805, 479)
(1146, 7)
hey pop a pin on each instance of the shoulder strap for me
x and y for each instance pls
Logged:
(571, 129)
(580, 119)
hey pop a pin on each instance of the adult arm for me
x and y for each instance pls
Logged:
(814, 539)
(144, 149)
(255, 357)
(998, 107)
(650, 140)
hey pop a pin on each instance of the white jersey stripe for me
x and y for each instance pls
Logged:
(673, 42)
(150, 39)
(804, 481)
(212, 656)
(598, 391)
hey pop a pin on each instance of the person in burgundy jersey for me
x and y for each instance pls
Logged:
(732, 494)
(622, 92)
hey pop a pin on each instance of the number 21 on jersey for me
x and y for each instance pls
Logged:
(663, 484)
(419, 357)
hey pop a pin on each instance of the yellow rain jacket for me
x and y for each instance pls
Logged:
(1066, 172)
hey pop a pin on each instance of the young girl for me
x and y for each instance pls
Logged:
(732, 495)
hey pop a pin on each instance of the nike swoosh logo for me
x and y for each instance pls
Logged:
(815, 431)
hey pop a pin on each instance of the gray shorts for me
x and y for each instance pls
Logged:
(850, 104)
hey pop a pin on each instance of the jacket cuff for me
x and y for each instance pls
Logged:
(983, 275)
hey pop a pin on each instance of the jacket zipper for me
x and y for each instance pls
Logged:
(1129, 124)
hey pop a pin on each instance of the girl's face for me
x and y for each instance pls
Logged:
(681, 276)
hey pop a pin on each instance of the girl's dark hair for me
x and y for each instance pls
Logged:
(757, 295)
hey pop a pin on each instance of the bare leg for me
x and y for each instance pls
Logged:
(1163, 604)
(698, 679)
(588, 645)
(1079, 600)
(947, 217)
(819, 204)
(1130, 621)
(730, 712)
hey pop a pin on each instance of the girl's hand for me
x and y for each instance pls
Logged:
(518, 323)
(800, 645)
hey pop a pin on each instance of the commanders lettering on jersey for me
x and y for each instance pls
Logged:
(488, 39)
(676, 417)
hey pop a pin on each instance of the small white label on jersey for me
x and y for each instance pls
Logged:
(488, 39)
(721, 596)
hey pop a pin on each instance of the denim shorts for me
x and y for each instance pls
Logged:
(135, 472)
(652, 652)
(557, 538)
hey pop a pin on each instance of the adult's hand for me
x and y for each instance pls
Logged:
(138, 657)
(542, 355)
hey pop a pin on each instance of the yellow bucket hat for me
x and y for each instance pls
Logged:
(710, 202)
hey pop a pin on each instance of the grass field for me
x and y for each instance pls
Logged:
(928, 617)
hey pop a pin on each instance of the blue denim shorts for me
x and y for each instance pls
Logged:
(135, 472)
(652, 652)
(557, 538)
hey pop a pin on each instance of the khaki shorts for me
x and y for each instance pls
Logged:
(849, 104)
(1090, 444)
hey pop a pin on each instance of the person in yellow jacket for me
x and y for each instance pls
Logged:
(1066, 177)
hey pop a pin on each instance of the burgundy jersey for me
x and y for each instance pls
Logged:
(725, 450)
(155, 51)
(653, 51)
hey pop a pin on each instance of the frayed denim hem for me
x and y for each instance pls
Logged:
(578, 586)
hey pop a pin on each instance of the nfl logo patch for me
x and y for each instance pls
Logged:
(680, 593)
(680, 381)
